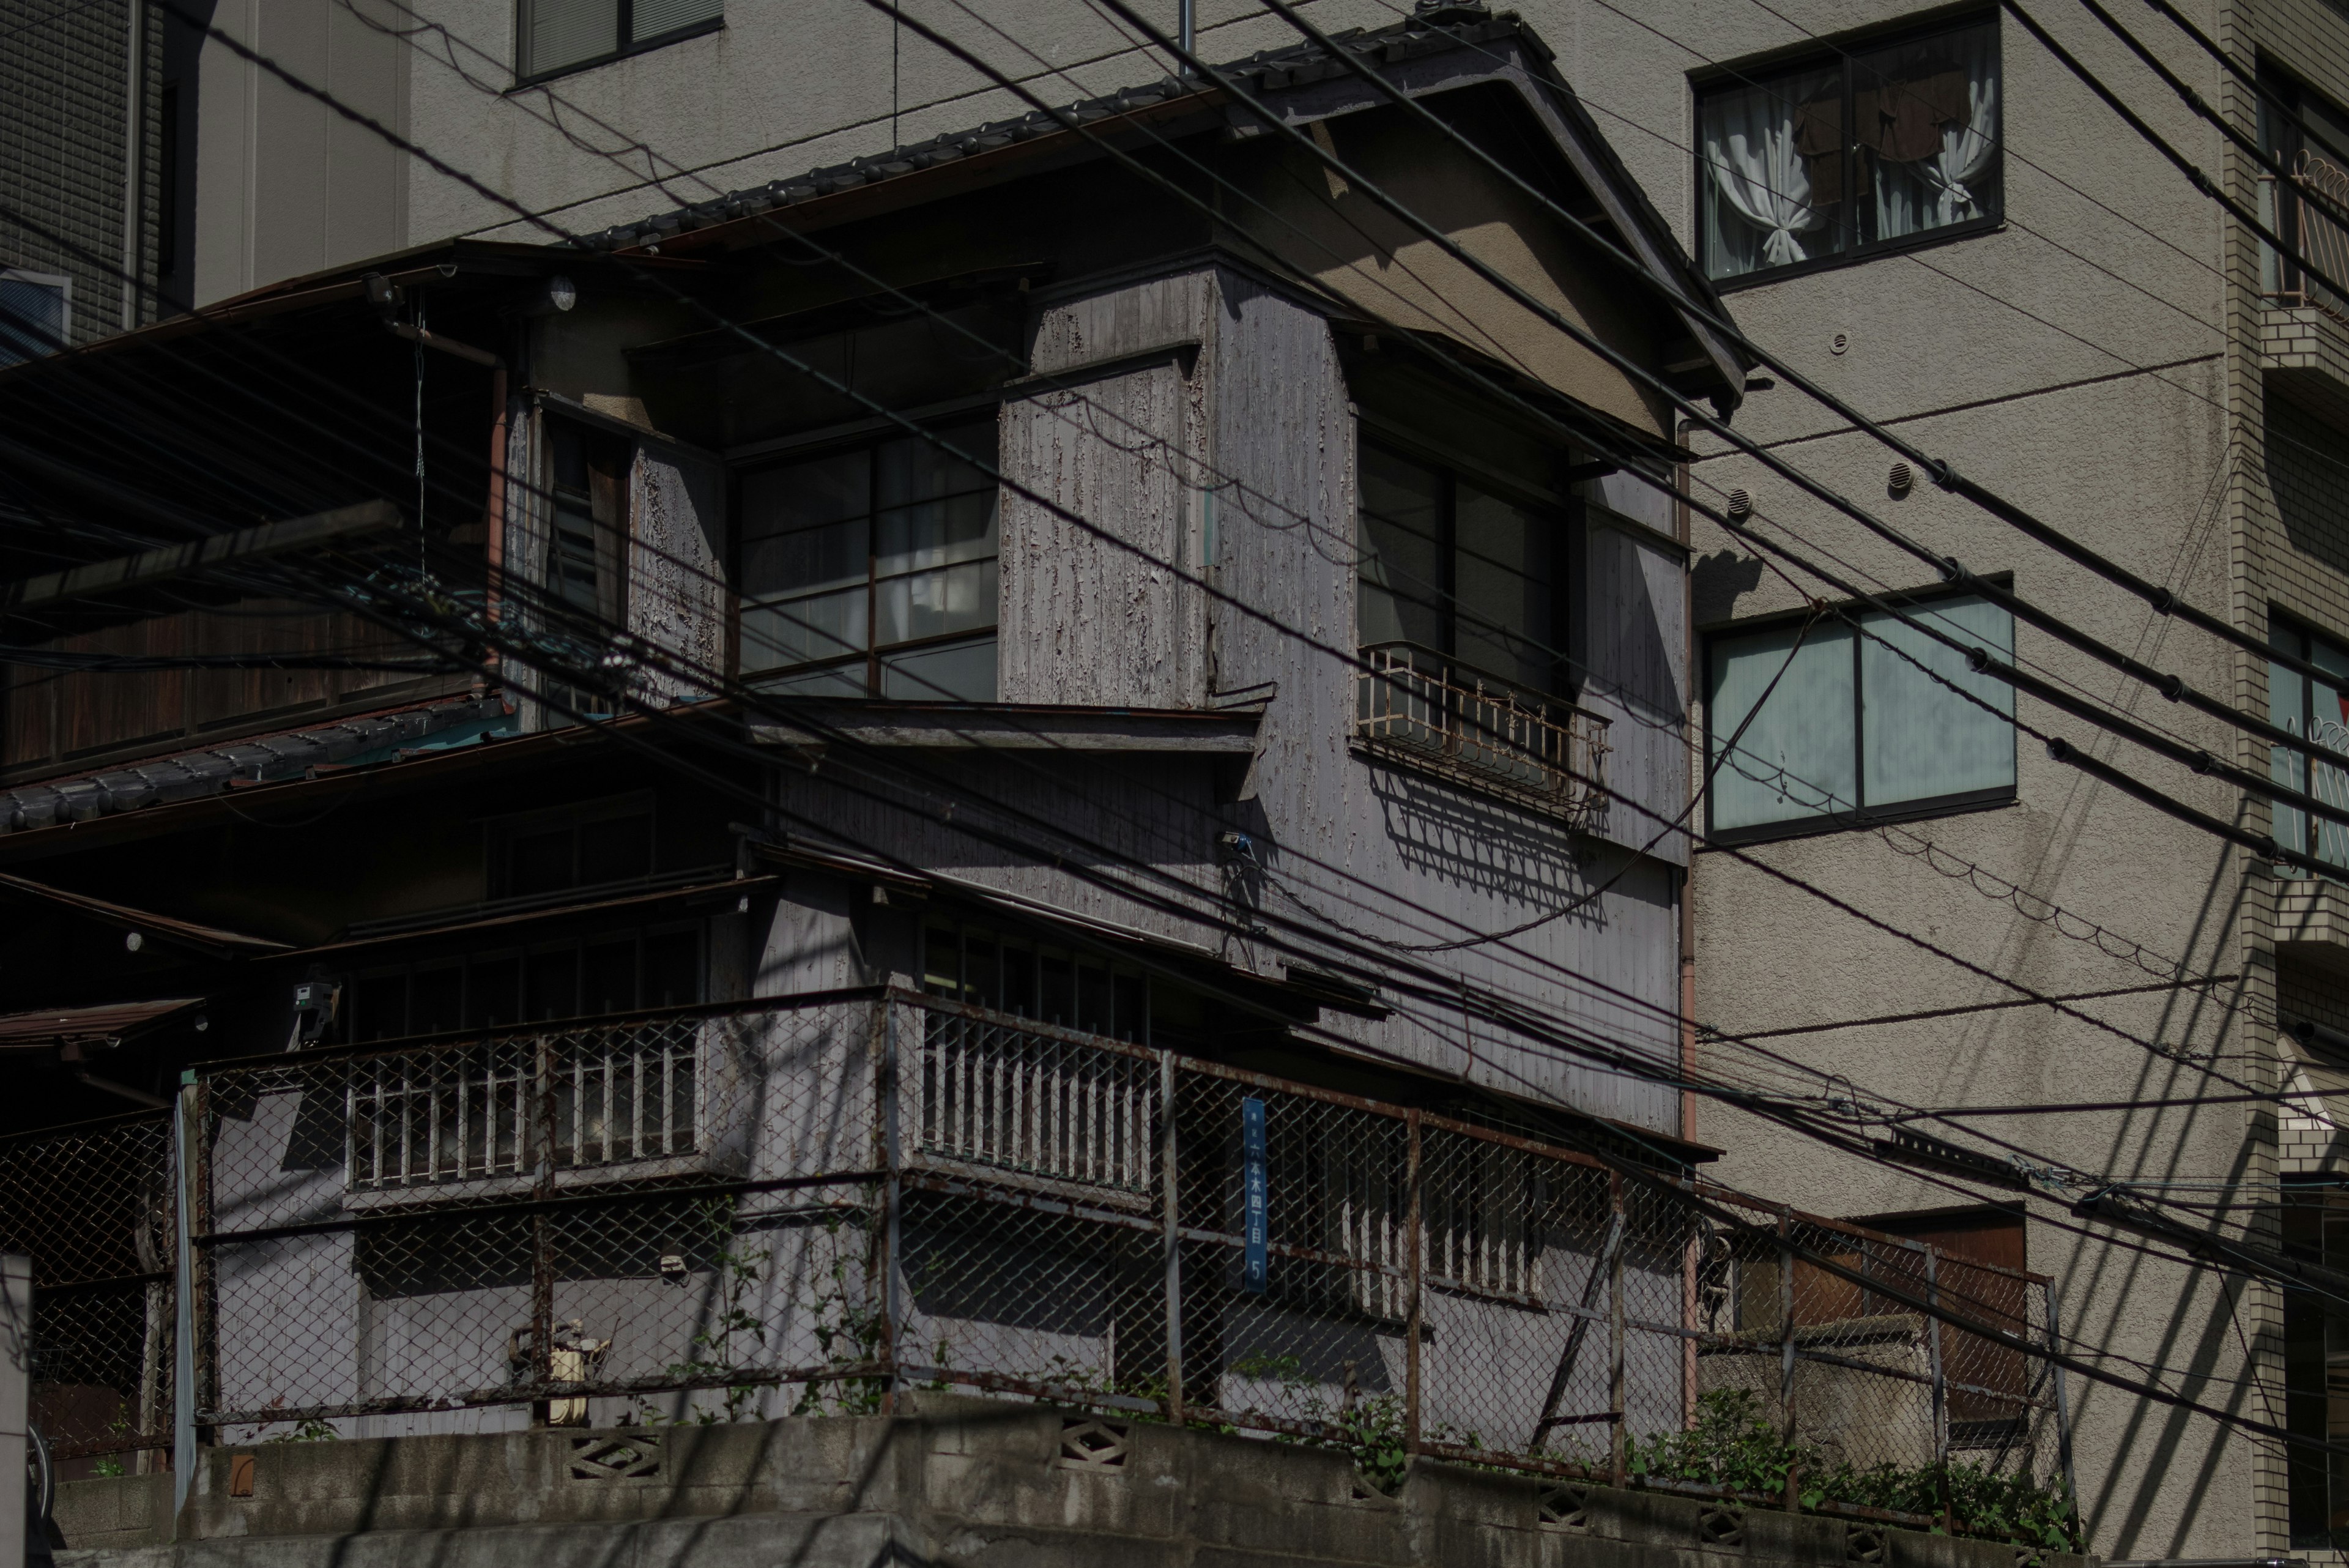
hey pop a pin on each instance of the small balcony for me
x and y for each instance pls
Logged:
(1414, 707)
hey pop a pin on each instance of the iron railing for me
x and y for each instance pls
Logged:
(2304, 210)
(884, 1191)
(1414, 707)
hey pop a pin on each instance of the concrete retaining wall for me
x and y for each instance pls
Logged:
(962, 1480)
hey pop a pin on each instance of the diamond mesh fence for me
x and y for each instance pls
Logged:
(92, 1207)
(729, 1214)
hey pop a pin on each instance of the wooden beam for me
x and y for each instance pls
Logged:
(180, 560)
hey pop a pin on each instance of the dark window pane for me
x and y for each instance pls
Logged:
(378, 1007)
(1018, 978)
(551, 984)
(608, 976)
(540, 862)
(981, 984)
(1093, 997)
(1403, 566)
(1057, 982)
(492, 992)
(942, 961)
(1126, 1003)
(672, 969)
(435, 1000)
(1501, 567)
(616, 850)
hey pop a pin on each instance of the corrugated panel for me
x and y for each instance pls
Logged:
(34, 1031)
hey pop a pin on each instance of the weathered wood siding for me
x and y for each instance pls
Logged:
(677, 565)
(1633, 646)
(1115, 439)
(1388, 854)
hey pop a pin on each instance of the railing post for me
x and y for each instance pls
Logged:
(2063, 1412)
(186, 1142)
(1940, 1384)
(1413, 1263)
(1786, 1345)
(1174, 1239)
(887, 1082)
(1616, 1456)
(542, 1235)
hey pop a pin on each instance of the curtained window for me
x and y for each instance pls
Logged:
(1867, 148)
(1844, 725)
(2315, 711)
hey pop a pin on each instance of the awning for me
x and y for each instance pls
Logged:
(213, 942)
(107, 1025)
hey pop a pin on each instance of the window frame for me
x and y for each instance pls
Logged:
(1561, 512)
(63, 284)
(519, 952)
(625, 10)
(870, 438)
(2311, 841)
(501, 832)
(1853, 251)
(2291, 143)
(1864, 815)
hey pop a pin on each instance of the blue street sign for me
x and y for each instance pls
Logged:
(1253, 1262)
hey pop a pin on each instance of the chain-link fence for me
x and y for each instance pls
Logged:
(728, 1213)
(92, 1207)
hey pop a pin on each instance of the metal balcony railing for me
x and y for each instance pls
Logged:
(2305, 210)
(1414, 706)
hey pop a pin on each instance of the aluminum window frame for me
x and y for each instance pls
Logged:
(1853, 251)
(1863, 814)
(624, 25)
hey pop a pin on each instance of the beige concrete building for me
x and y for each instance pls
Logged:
(1925, 210)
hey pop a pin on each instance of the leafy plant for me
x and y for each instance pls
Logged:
(739, 1270)
(1733, 1444)
(849, 1327)
(309, 1430)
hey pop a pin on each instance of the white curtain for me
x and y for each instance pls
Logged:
(1759, 181)
(1946, 187)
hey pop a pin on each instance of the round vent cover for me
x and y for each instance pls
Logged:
(1740, 504)
(1903, 478)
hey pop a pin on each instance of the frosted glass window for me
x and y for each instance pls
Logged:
(879, 564)
(652, 19)
(1796, 757)
(1918, 738)
(2316, 710)
(1859, 724)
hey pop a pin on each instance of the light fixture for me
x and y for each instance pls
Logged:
(133, 941)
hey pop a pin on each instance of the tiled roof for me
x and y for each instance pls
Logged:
(1434, 28)
(190, 776)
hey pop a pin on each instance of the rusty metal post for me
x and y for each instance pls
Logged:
(1940, 1384)
(1174, 1237)
(893, 1213)
(1616, 1457)
(2063, 1412)
(1415, 1259)
(188, 1173)
(1786, 1347)
(542, 1235)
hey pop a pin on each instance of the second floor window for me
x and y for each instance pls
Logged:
(1452, 572)
(2310, 138)
(2316, 711)
(1858, 721)
(1862, 148)
(562, 35)
(871, 571)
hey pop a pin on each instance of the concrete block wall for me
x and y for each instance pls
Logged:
(959, 1479)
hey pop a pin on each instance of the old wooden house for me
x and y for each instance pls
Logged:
(901, 779)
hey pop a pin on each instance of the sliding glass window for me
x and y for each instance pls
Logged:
(1858, 719)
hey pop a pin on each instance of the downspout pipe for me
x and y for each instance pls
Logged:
(385, 296)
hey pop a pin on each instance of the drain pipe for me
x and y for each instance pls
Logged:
(385, 296)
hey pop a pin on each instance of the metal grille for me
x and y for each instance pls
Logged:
(725, 1214)
(1409, 705)
(92, 1206)
(2302, 210)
